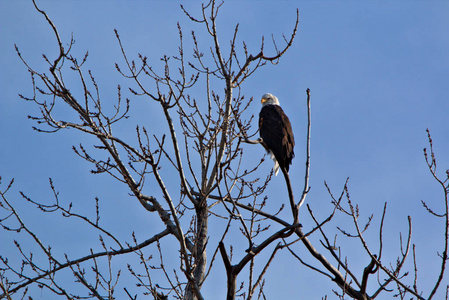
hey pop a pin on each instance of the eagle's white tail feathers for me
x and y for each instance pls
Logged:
(276, 164)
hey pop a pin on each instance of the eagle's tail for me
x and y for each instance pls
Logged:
(276, 164)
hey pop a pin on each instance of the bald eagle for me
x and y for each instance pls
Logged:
(276, 132)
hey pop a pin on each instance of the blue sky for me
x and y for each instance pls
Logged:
(378, 73)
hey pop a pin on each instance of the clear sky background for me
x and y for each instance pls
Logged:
(378, 73)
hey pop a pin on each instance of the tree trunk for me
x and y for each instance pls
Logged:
(200, 255)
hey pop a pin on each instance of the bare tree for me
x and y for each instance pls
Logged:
(208, 131)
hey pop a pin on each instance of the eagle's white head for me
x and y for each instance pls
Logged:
(268, 99)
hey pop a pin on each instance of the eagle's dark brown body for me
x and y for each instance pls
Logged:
(276, 131)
